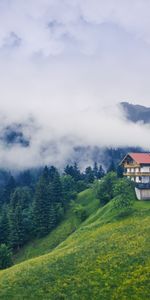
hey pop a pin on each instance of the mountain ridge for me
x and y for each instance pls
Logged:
(136, 112)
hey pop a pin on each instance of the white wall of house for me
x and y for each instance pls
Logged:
(142, 194)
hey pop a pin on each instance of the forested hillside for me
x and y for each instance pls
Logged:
(99, 249)
(32, 206)
(106, 257)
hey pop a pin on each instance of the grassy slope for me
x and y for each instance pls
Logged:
(107, 257)
(70, 224)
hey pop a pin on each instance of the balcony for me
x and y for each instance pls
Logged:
(143, 186)
(131, 165)
(136, 174)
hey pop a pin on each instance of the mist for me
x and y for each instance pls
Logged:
(64, 67)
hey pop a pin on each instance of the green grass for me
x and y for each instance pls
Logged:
(70, 223)
(106, 257)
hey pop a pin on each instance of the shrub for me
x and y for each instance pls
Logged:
(105, 188)
(79, 210)
(124, 194)
(5, 257)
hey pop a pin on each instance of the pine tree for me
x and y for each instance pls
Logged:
(9, 188)
(112, 167)
(19, 222)
(73, 171)
(17, 230)
(95, 170)
(41, 208)
(89, 175)
(56, 196)
(25, 178)
(4, 228)
(56, 189)
(77, 175)
(101, 172)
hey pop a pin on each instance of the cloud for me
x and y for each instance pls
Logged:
(61, 63)
(54, 140)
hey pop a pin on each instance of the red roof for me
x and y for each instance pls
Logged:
(141, 158)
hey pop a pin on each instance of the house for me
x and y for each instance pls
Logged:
(137, 168)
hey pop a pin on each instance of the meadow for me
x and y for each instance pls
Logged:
(105, 257)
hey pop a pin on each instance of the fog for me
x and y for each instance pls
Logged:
(64, 67)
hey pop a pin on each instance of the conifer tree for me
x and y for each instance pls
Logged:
(4, 227)
(112, 167)
(89, 174)
(19, 221)
(17, 230)
(101, 172)
(56, 189)
(9, 188)
(41, 208)
(95, 170)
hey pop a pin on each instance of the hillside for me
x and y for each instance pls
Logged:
(69, 225)
(107, 257)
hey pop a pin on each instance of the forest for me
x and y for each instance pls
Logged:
(33, 203)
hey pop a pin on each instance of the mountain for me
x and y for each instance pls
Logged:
(136, 113)
(104, 257)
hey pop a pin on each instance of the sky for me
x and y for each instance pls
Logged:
(65, 65)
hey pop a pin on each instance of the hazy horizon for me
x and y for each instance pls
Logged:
(64, 67)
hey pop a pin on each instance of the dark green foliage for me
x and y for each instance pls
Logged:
(112, 167)
(79, 210)
(56, 189)
(5, 257)
(68, 189)
(17, 230)
(4, 227)
(81, 185)
(52, 171)
(25, 178)
(34, 202)
(21, 196)
(98, 171)
(124, 194)
(104, 189)
(120, 171)
(48, 201)
(101, 172)
(41, 207)
(89, 175)
(73, 171)
(9, 188)
(20, 217)
(122, 190)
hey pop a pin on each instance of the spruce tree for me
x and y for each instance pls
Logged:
(9, 189)
(17, 230)
(41, 208)
(4, 228)
(89, 175)
(101, 172)
(95, 170)
(19, 217)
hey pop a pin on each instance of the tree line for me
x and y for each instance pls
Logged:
(33, 206)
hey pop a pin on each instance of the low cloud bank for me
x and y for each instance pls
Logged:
(53, 137)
